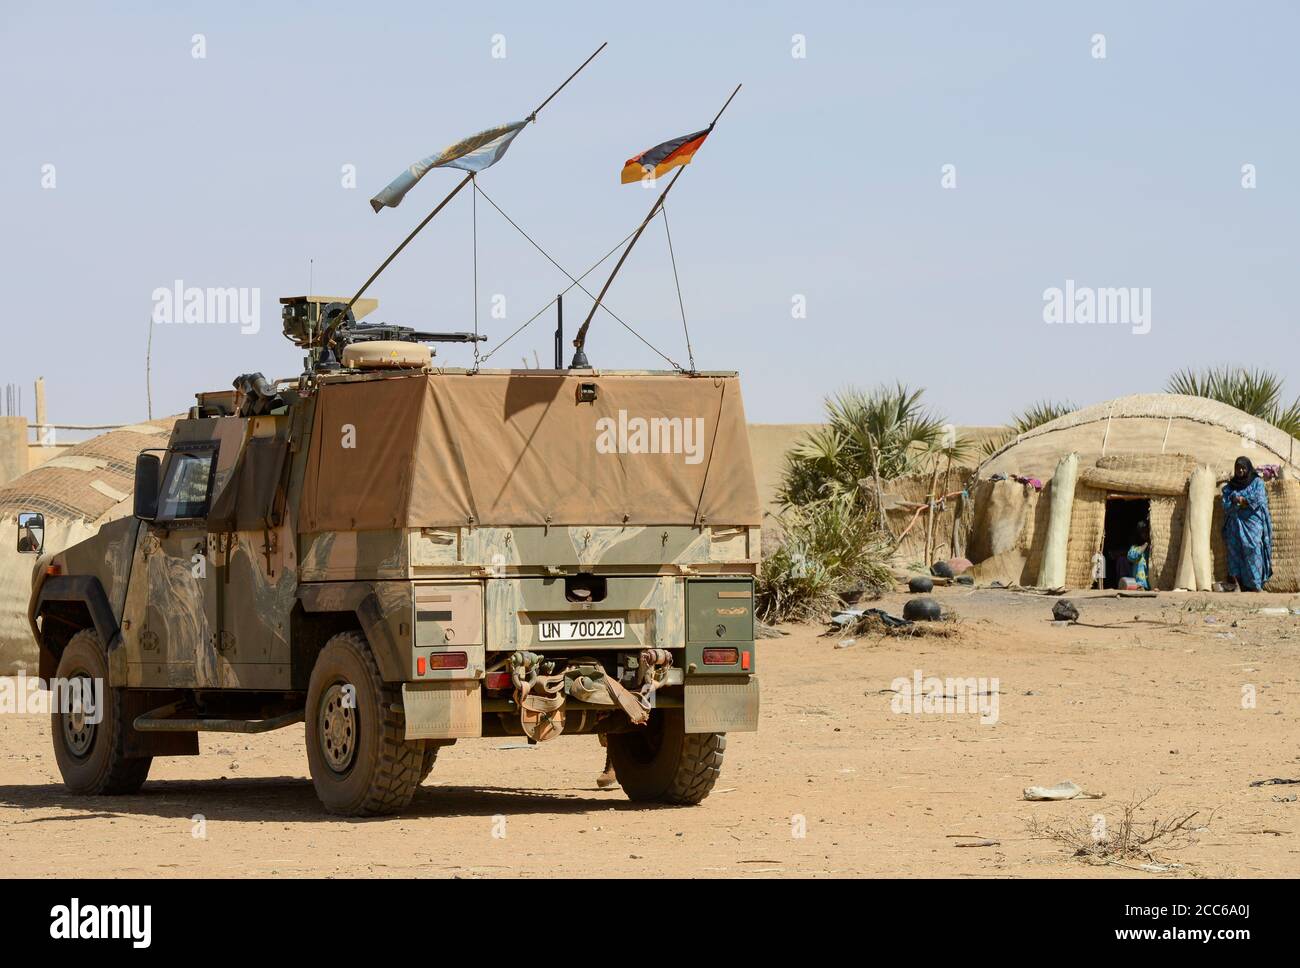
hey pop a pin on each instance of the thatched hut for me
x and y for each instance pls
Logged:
(1154, 457)
(87, 485)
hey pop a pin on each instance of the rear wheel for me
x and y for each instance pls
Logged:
(361, 763)
(662, 762)
(90, 742)
(430, 757)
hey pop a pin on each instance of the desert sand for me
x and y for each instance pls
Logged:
(834, 784)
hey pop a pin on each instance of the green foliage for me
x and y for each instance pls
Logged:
(826, 548)
(1254, 391)
(887, 430)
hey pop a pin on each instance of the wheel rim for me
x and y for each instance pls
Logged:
(338, 727)
(78, 732)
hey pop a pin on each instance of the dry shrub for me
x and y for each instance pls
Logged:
(871, 624)
(1126, 840)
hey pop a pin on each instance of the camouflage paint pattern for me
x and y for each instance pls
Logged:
(423, 596)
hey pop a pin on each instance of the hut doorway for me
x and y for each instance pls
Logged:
(1119, 533)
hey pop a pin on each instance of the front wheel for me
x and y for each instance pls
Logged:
(361, 763)
(663, 763)
(90, 741)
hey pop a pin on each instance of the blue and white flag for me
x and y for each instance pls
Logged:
(475, 153)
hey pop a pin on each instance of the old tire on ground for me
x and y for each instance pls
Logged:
(662, 762)
(360, 762)
(91, 756)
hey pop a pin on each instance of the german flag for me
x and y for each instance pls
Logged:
(656, 161)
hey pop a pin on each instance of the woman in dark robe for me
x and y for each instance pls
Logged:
(1247, 527)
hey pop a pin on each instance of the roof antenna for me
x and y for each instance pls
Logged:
(580, 340)
(392, 195)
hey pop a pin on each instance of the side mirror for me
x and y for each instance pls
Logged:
(147, 467)
(31, 533)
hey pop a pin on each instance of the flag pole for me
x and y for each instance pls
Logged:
(414, 232)
(537, 110)
(580, 339)
(580, 357)
(439, 207)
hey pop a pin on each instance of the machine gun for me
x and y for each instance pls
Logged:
(325, 326)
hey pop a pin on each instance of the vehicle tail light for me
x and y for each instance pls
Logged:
(721, 656)
(419, 665)
(497, 680)
(744, 661)
(448, 660)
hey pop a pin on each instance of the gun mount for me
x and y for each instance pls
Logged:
(325, 326)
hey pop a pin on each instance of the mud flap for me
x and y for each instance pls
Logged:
(137, 702)
(443, 710)
(720, 705)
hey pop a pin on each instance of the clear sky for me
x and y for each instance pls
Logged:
(824, 181)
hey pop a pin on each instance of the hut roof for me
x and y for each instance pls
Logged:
(1202, 430)
(88, 479)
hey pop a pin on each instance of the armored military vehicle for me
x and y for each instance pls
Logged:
(403, 556)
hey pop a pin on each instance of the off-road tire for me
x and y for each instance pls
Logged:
(662, 763)
(430, 757)
(103, 769)
(384, 769)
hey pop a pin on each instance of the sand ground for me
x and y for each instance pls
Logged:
(834, 784)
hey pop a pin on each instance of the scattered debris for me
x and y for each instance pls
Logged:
(846, 643)
(980, 843)
(854, 616)
(1275, 781)
(876, 621)
(764, 631)
(1065, 611)
(1065, 790)
(922, 610)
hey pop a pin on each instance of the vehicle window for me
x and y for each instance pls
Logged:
(185, 491)
(31, 532)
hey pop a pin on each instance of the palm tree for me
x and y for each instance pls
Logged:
(1253, 391)
(868, 438)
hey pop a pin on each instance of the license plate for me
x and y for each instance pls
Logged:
(582, 629)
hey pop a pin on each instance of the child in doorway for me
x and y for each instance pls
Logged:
(1140, 553)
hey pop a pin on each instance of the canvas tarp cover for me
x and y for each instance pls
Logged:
(445, 450)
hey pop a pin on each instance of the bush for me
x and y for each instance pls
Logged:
(824, 549)
(888, 431)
